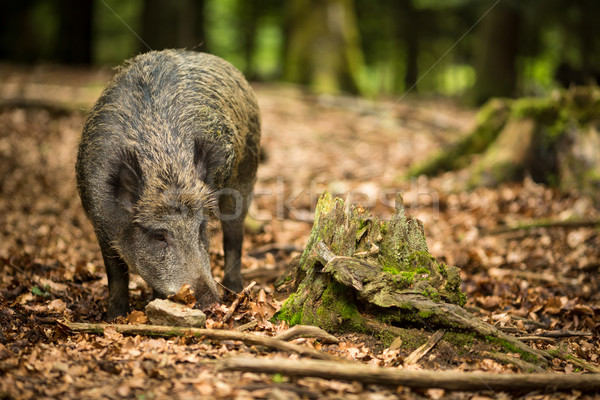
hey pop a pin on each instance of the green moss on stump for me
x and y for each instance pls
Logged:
(553, 139)
(374, 264)
(360, 274)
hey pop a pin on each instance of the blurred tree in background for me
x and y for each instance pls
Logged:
(322, 45)
(470, 48)
(177, 23)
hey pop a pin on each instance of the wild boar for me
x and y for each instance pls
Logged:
(173, 138)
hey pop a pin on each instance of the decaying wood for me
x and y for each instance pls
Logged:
(449, 380)
(353, 261)
(212, 334)
(307, 331)
(416, 355)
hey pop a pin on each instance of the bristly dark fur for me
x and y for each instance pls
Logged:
(174, 135)
(125, 180)
(207, 158)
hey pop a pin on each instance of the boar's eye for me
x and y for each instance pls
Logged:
(160, 237)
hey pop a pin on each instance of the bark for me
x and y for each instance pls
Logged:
(449, 380)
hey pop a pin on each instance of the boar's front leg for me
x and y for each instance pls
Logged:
(118, 281)
(233, 207)
(233, 236)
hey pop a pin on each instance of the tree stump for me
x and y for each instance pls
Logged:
(361, 274)
(554, 140)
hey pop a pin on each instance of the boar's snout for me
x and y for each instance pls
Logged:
(206, 293)
(206, 296)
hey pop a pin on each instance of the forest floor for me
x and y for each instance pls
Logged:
(524, 281)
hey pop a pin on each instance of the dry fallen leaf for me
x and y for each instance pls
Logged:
(184, 296)
(137, 317)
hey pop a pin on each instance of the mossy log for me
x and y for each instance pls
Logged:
(360, 274)
(554, 140)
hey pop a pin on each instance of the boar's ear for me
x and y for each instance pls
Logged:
(126, 180)
(207, 158)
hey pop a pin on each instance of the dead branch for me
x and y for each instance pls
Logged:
(508, 359)
(530, 338)
(52, 107)
(270, 273)
(212, 334)
(416, 355)
(563, 355)
(250, 325)
(545, 224)
(564, 333)
(449, 380)
(305, 331)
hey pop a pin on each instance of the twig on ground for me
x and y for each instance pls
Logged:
(563, 355)
(564, 333)
(530, 338)
(416, 355)
(250, 325)
(545, 224)
(307, 331)
(213, 334)
(519, 362)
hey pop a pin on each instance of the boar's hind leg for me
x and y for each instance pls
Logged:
(118, 281)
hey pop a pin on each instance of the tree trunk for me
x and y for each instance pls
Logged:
(173, 24)
(407, 32)
(497, 53)
(248, 14)
(323, 49)
(75, 35)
